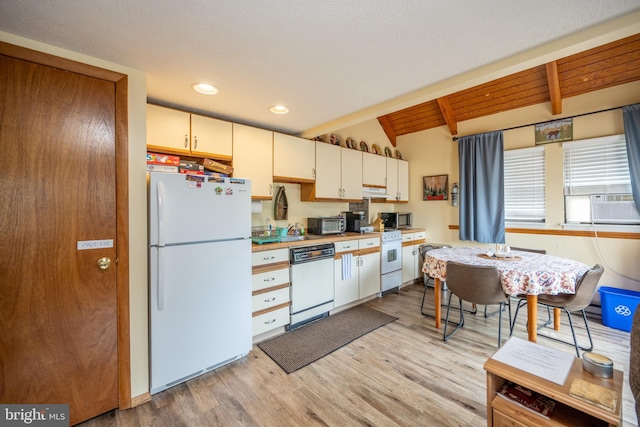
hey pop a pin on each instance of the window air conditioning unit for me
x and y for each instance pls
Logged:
(614, 209)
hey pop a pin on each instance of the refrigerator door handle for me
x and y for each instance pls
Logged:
(160, 279)
(160, 201)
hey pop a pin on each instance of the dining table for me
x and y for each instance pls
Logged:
(521, 273)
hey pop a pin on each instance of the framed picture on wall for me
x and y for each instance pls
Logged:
(435, 187)
(555, 131)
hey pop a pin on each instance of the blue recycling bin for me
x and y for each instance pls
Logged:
(618, 307)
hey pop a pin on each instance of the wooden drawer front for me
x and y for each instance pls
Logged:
(270, 320)
(420, 235)
(269, 279)
(503, 420)
(408, 237)
(270, 299)
(269, 257)
(374, 242)
(346, 246)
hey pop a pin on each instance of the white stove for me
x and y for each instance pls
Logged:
(391, 262)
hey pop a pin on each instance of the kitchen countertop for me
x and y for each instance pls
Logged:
(315, 239)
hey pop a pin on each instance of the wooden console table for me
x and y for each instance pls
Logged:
(569, 410)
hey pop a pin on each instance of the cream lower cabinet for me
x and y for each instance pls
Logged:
(270, 290)
(363, 280)
(411, 268)
(253, 159)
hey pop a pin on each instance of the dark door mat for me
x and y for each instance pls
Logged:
(300, 347)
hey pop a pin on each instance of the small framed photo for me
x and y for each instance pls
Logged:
(435, 187)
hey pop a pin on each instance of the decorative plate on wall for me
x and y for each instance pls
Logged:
(364, 147)
(375, 149)
(398, 155)
(387, 152)
(351, 143)
(334, 139)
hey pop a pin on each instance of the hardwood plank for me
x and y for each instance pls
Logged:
(402, 374)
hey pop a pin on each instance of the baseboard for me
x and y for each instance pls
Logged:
(139, 400)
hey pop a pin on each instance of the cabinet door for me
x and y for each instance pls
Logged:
(374, 170)
(211, 137)
(403, 181)
(346, 289)
(392, 178)
(167, 130)
(253, 159)
(408, 263)
(327, 171)
(351, 162)
(369, 274)
(294, 159)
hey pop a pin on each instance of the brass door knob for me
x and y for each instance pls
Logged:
(104, 263)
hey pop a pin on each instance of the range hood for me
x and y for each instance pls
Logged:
(374, 193)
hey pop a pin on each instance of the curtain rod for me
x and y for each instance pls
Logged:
(455, 138)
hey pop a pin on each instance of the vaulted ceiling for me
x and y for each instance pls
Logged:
(602, 67)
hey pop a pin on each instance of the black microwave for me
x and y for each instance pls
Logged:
(396, 220)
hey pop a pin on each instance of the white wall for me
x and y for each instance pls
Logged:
(137, 204)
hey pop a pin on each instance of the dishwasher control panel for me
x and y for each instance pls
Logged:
(311, 253)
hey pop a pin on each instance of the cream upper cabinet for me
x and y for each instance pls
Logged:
(351, 174)
(397, 180)
(294, 159)
(374, 170)
(168, 130)
(328, 176)
(179, 132)
(403, 181)
(253, 159)
(338, 175)
(392, 178)
(211, 137)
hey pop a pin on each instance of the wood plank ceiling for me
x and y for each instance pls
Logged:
(599, 68)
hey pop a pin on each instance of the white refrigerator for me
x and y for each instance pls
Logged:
(200, 274)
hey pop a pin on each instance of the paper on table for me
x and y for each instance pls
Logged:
(547, 363)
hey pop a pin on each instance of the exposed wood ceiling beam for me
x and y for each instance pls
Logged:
(554, 87)
(448, 114)
(388, 129)
(602, 67)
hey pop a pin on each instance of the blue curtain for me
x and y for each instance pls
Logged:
(481, 160)
(631, 118)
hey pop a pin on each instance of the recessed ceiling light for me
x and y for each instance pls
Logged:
(205, 88)
(279, 109)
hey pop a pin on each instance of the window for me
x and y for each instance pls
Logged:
(524, 185)
(596, 166)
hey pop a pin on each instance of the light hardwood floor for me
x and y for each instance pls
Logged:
(402, 374)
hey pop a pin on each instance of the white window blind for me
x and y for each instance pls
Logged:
(524, 185)
(596, 166)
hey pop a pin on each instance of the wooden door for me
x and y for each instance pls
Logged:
(58, 309)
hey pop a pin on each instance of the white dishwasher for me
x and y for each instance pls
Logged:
(311, 275)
